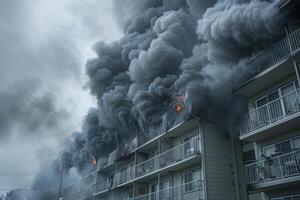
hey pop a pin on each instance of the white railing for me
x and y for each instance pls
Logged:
(194, 190)
(124, 176)
(274, 168)
(269, 57)
(293, 197)
(169, 157)
(274, 111)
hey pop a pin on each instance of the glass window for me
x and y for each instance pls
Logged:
(296, 143)
(191, 180)
(288, 88)
(283, 147)
(189, 143)
(249, 156)
(154, 195)
(163, 187)
(261, 102)
(269, 150)
(273, 96)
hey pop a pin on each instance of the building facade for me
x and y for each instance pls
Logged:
(192, 160)
(270, 130)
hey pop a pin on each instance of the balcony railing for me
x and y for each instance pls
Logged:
(169, 157)
(274, 168)
(124, 176)
(293, 197)
(103, 186)
(269, 57)
(274, 111)
(193, 189)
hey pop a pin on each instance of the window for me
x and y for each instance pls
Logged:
(267, 99)
(189, 143)
(249, 156)
(154, 192)
(163, 187)
(192, 180)
(296, 143)
(282, 147)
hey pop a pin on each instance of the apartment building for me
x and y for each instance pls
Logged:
(270, 131)
(191, 161)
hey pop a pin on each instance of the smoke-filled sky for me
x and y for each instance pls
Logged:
(43, 47)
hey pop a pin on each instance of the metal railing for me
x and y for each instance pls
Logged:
(103, 186)
(292, 197)
(269, 57)
(193, 189)
(124, 176)
(274, 168)
(274, 111)
(169, 157)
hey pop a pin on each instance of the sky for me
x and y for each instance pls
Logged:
(44, 46)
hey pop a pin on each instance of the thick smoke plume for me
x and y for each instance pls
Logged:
(170, 48)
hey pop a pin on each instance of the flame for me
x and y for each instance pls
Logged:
(93, 160)
(179, 107)
(179, 103)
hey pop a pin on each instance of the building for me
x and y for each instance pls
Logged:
(195, 161)
(270, 131)
(192, 160)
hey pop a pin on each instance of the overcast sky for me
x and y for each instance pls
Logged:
(43, 48)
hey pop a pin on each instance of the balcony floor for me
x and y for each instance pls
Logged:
(274, 129)
(269, 76)
(190, 161)
(276, 184)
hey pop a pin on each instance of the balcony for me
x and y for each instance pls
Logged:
(272, 118)
(192, 190)
(269, 66)
(78, 191)
(293, 197)
(169, 158)
(275, 170)
(102, 187)
(124, 176)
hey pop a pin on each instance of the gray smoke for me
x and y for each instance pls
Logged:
(169, 48)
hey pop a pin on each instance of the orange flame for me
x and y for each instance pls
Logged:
(93, 160)
(179, 107)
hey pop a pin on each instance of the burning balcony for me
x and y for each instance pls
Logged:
(191, 190)
(269, 66)
(285, 167)
(279, 113)
(170, 157)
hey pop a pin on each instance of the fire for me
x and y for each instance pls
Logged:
(179, 107)
(179, 104)
(93, 160)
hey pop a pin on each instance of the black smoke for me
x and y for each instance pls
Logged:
(169, 48)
